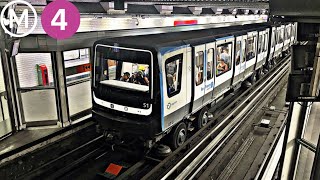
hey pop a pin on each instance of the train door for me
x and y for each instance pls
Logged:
(174, 86)
(240, 63)
(266, 43)
(199, 76)
(209, 77)
(243, 54)
(260, 53)
(287, 32)
(224, 64)
(251, 53)
(273, 43)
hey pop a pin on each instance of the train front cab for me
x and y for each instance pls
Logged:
(123, 107)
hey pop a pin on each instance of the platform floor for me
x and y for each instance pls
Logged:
(312, 131)
(23, 138)
(39, 108)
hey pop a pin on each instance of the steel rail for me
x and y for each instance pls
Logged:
(246, 111)
(223, 133)
(36, 172)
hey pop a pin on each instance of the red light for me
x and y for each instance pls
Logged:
(185, 22)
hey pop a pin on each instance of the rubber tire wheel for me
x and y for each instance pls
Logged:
(199, 123)
(253, 78)
(174, 136)
(258, 74)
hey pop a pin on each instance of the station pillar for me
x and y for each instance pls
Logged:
(61, 90)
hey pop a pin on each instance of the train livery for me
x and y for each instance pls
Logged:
(150, 86)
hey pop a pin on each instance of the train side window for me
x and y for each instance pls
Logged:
(173, 74)
(251, 50)
(199, 67)
(238, 52)
(223, 60)
(210, 64)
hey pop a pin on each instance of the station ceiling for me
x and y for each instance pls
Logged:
(167, 7)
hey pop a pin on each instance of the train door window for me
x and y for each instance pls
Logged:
(273, 39)
(293, 31)
(223, 60)
(280, 36)
(173, 74)
(288, 32)
(210, 64)
(265, 45)
(260, 43)
(244, 52)
(238, 52)
(199, 67)
(251, 50)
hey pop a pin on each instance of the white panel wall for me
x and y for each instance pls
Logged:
(26, 67)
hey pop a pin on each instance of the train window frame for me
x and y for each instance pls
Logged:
(254, 48)
(178, 57)
(240, 52)
(218, 54)
(212, 63)
(200, 60)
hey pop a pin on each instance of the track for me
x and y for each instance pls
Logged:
(188, 160)
(90, 160)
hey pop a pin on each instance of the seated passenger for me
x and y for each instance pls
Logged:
(125, 77)
(209, 71)
(170, 82)
(132, 79)
(141, 78)
(225, 55)
(238, 58)
(222, 67)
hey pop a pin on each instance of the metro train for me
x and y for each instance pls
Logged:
(148, 87)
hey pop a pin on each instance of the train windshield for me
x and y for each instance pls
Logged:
(122, 69)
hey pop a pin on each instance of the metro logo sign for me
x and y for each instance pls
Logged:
(14, 19)
(185, 22)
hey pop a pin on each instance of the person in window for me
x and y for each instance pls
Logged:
(209, 71)
(141, 78)
(125, 77)
(171, 68)
(222, 66)
(238, 57)
(170, 87)
(132, 79)
(225, 55)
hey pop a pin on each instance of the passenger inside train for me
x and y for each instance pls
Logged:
(125, 72)
(223, 59)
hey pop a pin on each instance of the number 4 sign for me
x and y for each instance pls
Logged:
(62, 24)
(60, 19)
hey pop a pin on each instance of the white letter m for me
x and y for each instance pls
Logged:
(13, 17)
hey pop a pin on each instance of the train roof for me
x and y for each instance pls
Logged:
(154, 42)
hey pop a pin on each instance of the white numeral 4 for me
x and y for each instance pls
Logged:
(62, 14)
